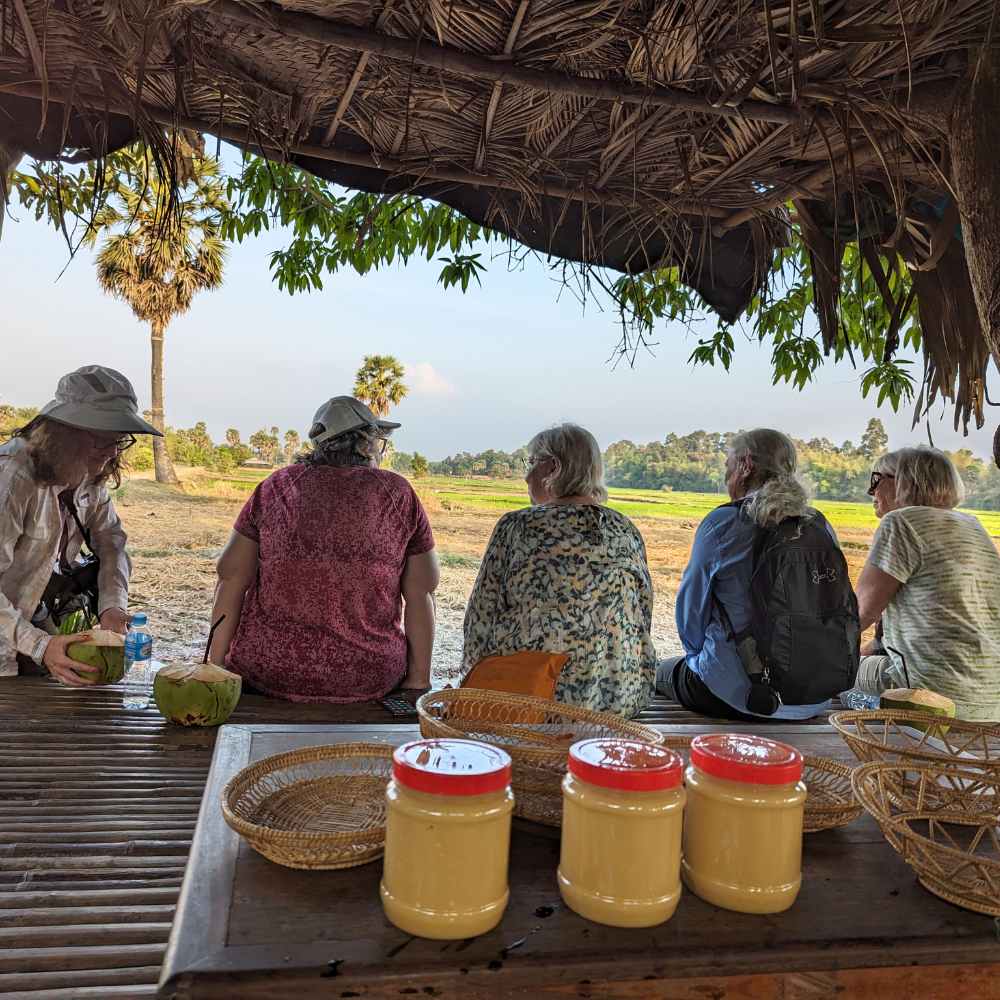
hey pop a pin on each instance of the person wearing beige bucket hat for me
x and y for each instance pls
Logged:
(54, 504)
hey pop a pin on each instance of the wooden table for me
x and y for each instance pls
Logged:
(97, 809)
(862, 925)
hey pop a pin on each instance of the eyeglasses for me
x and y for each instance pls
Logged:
(530, 461)
(877, 478)
(120, 445)
(383, 446)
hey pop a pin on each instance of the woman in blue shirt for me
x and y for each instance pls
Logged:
(710, 678)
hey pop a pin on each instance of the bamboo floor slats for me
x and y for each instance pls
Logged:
(97, 809)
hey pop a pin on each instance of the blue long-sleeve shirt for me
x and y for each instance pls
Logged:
(720, 565)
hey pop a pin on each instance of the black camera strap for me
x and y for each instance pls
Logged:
(66, 500)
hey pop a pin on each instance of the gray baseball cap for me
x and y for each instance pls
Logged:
(342, 414)
(96, 398)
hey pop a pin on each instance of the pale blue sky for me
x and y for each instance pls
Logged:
(487, 369)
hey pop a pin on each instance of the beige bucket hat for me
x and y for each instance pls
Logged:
(95, 398)
(342, 414)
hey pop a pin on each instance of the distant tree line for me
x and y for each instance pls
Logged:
(194, 446)
(696, 463)
(690, 463)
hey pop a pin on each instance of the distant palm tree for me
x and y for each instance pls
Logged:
(157, 255)
(292, 441)
(233, 437)
(379, 383)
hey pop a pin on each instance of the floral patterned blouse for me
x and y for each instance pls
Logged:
(569, 579)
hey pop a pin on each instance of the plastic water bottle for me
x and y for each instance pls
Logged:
(138, 664)
(859, 701)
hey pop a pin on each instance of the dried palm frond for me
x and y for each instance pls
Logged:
(615, 133)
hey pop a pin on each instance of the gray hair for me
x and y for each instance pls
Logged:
(777, 491)
(352, 448)
(925, 477)
(579, 468)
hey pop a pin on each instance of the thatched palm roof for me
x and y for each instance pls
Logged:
(624, 133)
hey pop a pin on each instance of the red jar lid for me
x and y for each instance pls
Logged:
(629, 765)
(451, 767)
(750, 759)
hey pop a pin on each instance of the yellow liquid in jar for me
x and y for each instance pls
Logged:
(743, 842)
(445, 870)
(621, 852)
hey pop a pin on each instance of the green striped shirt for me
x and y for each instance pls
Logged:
(943, 624)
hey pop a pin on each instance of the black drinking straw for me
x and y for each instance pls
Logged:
(902, 660)
(211, 632)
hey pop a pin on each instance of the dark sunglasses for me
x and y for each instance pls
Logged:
(877, 478)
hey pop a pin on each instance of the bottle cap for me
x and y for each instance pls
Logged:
(749, 759)
(139, 618)
(629, 765)
(451, 767)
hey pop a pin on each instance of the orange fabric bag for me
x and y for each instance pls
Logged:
(530, 672)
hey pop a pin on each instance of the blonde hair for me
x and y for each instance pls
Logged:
(925, 477)
(579, 468)
(777, 491)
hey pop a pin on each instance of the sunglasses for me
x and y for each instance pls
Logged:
(877, 478)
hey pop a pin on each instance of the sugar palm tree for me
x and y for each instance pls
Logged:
(379, 383)
(156, 254)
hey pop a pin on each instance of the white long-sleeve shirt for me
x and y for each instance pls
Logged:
(31, 526)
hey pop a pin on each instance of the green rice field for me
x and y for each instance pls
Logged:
(501, 495)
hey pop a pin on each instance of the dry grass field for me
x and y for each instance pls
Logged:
(175, 534)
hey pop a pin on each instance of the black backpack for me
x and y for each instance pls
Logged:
(802, 645)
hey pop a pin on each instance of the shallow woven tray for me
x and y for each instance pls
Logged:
(316, 808)
(536, 733)
(955, 852)
(830, 802)
(889, 736)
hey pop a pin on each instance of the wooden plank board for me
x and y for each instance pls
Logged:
(247, 926)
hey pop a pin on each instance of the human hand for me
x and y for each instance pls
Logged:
(115, 620)
(61, 667)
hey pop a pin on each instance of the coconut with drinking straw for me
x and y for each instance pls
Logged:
(913, 699)
(197, 694)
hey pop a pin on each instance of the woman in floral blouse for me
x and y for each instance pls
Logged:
(568, 575)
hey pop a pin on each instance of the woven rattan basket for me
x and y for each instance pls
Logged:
(891, 737)
(536, 733)
(830, 802)
(955, 852)
(320, 807)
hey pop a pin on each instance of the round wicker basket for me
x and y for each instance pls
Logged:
(893, 736)
(316, 808)
(830, 802)
(954, 851)
(536, 733)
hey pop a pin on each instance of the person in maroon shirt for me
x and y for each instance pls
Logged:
(319, 567)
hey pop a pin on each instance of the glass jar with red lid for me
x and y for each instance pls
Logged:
(447, 838)
(743, 822)
(623, 804)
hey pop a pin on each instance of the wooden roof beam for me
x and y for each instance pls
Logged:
(269, 16)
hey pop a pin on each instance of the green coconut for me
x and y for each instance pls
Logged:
(919, 700)
(104, 650)
(196, 694)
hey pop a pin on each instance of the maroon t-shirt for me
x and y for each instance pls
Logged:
(322, 621)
